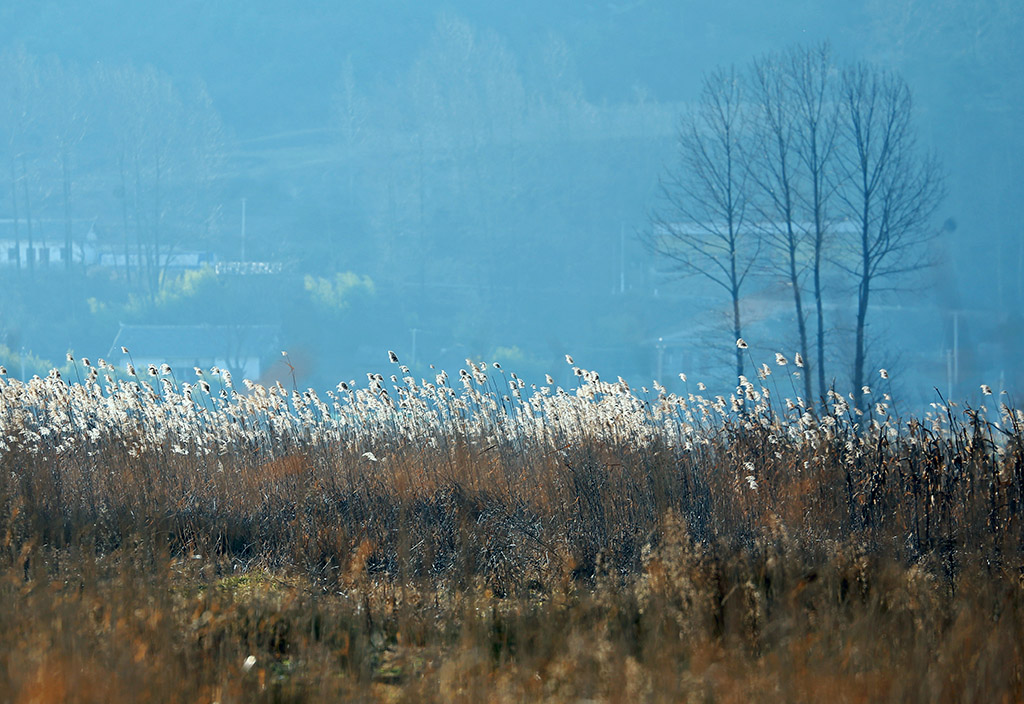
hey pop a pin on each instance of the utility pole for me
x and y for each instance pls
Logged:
(622, 258)
(953, 359)
(661, 359)
(956, 350)
(243, 229)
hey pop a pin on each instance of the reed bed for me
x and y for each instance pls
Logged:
(478, 538)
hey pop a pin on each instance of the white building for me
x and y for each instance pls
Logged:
(48, 248)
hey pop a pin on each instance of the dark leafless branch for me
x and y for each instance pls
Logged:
(701, 226)
(889, 190)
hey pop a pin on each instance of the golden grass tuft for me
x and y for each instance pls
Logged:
(427, 542)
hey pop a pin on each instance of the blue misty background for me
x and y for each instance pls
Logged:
(458, 180)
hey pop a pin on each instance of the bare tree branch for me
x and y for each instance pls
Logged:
(701, 226)
(889, 191)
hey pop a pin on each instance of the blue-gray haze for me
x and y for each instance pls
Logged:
(466, 180)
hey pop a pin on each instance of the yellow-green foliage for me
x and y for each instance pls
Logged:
(336, 293)
(190, 285)
(13, 360)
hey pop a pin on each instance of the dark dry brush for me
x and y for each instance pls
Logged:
(482, 540)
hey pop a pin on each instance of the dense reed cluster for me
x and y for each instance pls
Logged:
(476, 537)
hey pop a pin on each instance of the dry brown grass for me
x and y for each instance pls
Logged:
(594, 545)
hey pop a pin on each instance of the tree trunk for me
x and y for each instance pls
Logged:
(143, 258)
(860, 353)
(863, 293)
(124, 220)
(820, 313)
(66, 173)
(14, 212)
(737, 331)
(28, 216)
(158, 268)
(800, 320)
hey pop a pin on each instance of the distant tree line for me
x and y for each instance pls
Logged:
(120, 143)
(475, 176)
(482, 176)
(791, 166)
(489, 178)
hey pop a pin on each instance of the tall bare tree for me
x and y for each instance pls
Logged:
(889, 192)
(66, 121)
(167, 146)
(821, 166)
(350, 120)
(19, 84)
(702, 225)
(775, 169)
(815, 111)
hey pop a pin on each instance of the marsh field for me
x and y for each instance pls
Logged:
(477, 538)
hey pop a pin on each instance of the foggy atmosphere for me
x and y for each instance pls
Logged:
(618, 351)
(466, 181)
